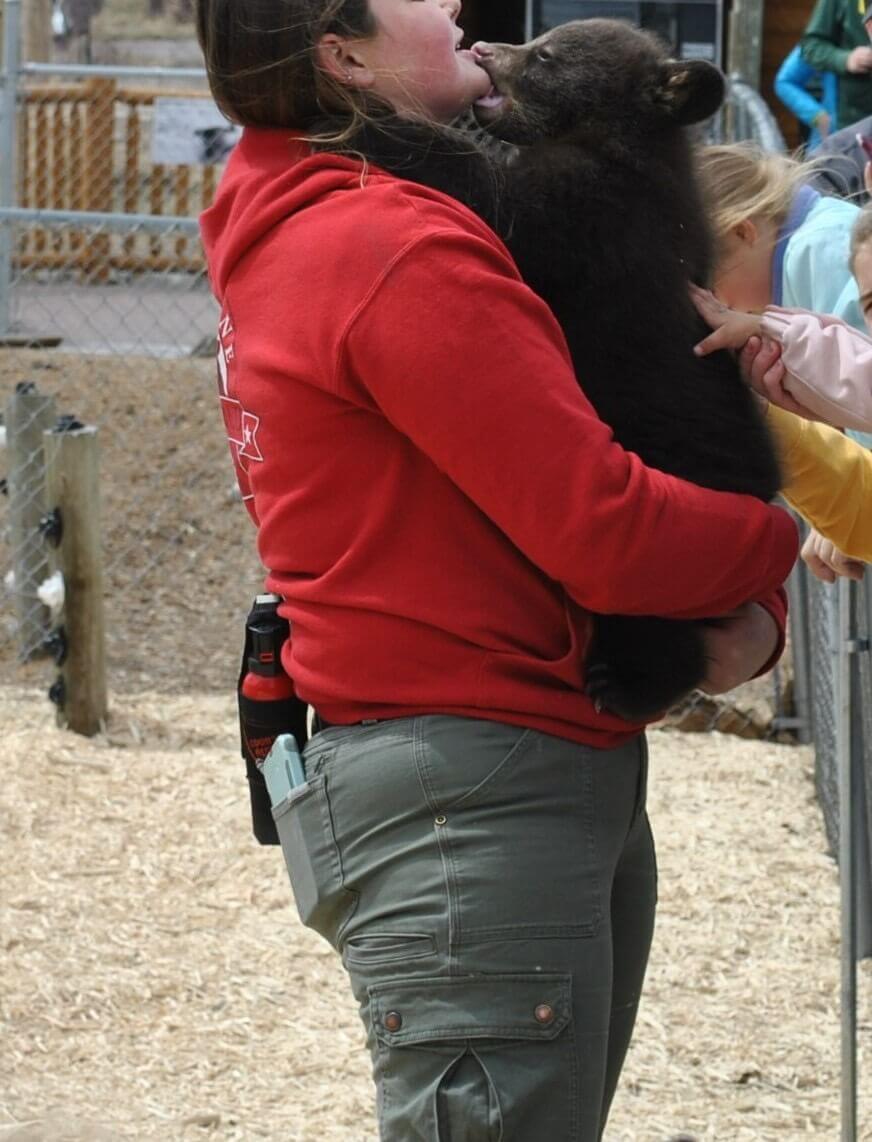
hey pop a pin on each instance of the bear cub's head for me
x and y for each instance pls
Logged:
(592, 76)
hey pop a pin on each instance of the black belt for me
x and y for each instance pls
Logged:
(320, 723)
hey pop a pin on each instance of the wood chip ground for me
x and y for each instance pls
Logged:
(156, 983)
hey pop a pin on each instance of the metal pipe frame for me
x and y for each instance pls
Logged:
(8, 164)
(87, 71)
(157, 223)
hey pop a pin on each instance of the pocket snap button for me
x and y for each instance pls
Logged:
(544, 1013)
(393, 1021)
(441, 820)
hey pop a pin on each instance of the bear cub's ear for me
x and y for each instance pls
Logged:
(690, 90)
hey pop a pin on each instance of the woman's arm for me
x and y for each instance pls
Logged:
(821, 42)
(790, 87)
(466, 361)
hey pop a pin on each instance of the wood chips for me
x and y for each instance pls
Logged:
(156, 983)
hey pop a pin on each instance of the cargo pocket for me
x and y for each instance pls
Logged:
(486, 1058)
(305, 827)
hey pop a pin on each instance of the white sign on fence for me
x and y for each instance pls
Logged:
(190, 131)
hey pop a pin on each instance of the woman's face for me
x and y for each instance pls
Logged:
(413, 61)
(863, 276)
(743, 275)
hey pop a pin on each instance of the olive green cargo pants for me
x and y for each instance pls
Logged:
(491, 891)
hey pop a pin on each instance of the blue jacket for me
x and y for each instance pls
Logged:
(791, 87)
(810, 266)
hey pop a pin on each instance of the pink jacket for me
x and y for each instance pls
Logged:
(829, 365)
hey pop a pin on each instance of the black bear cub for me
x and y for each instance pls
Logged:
(599, 208)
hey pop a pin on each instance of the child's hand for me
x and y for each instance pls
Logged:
(825, 560)
(761, 366)
(733, 329)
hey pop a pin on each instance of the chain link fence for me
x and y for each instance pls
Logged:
(106, 314)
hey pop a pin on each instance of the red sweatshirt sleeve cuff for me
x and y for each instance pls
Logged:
(776, 604)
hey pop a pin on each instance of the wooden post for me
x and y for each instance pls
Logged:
(72, 487)
(28, 414)
(745, 41)
(37, 31)
(99, 128)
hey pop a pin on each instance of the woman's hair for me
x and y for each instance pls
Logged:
(262, 63)
(739, 181)
(861, 233)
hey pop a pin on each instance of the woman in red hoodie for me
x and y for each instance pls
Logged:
(441, 510)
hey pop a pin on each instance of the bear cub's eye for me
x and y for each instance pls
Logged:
(545, 54)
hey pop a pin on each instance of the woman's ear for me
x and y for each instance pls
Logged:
(338, 58)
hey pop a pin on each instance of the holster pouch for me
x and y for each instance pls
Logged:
(259, 722)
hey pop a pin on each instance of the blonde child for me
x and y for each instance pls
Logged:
(824, 373)
(828, 363)
(777, 241)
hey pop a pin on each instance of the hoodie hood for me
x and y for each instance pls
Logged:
(271, 175)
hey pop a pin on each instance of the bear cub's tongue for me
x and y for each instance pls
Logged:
(492, 99)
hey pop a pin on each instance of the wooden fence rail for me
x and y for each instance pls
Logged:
(86, 146)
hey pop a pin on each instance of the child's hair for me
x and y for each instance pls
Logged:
(262, 65)
(861, 233)
(739, 181)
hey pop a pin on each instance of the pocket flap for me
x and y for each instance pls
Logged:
(535, 1005)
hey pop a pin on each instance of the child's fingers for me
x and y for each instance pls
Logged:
(818, 568)
(720, 339)
(708, 306)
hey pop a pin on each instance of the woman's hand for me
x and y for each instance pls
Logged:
(859, 60)
(733, 329)
(825, 561)
(823, 122)
(737, 647)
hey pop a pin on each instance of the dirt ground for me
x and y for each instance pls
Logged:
(180, 563)
(158, 985)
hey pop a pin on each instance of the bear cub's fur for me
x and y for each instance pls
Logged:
(599, 208)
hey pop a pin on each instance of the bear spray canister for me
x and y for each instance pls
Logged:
(268, 705)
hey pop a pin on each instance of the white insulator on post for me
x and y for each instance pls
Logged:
(9, 580)
(2, 435)
(51, 593)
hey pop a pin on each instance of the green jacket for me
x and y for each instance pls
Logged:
(833, 31)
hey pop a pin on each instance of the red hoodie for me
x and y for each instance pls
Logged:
(436, 500)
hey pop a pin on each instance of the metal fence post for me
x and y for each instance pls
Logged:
(845, 649)
(800, 638)
(28, 414)
(8, 164)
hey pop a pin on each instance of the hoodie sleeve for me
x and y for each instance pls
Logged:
(829, 480)
(829, 365)
(461, 356)
(822, 43)
(790, 87)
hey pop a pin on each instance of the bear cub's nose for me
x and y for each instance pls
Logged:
(482, 50)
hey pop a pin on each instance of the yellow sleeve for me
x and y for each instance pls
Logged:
(828, 480)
